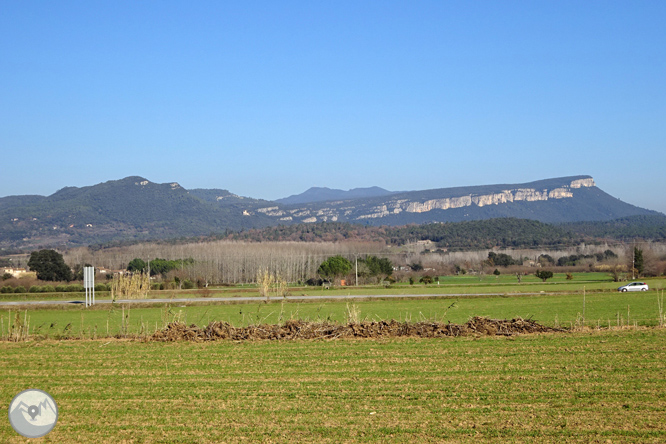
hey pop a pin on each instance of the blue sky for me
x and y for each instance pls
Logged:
(269, 98)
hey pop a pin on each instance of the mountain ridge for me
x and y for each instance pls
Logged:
(135, 208)
(324, 194)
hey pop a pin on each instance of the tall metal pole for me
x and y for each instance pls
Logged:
(633, 261)
(356, 269)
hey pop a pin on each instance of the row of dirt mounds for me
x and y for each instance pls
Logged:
(297, 329)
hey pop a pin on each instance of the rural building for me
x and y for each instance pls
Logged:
(106, 271)
(16, 272)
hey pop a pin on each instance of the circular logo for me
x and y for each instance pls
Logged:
(33, 413)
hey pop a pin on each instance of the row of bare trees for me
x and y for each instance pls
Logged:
(227, 261)
(241, 262)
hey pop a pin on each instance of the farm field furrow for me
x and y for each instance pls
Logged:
(547, 388)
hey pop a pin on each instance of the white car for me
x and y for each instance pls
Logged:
(634, 286)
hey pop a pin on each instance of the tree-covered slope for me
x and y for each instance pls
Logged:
(129, 208)
(651, 227)
(468, 235)
(137, 209)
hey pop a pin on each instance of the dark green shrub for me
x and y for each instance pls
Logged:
(75, 288)
(188, 284)
(48, 289)
(7, 289)
(501, 259)
(544, 274)
(19, 289)
(61, 288)
(101, 287)
(426, 279)
(35, 289)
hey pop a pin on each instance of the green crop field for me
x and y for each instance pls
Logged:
(547, 388)
(590, 384)
(464, 284)
(602, 309)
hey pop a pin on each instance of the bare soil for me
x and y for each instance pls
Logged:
(297, 329)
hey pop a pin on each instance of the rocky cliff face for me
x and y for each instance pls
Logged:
(379, 208)
(134, 208)
(515, 195)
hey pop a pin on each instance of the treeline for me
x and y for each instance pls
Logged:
(634, 227)
(468, 235)
(367, 267)
(158, 266)
(577, 259)
(317, 232)
(545, 260)
(454, 236)
(226, 261)
(491, 233)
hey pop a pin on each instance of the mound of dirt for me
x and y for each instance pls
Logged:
(296, 329)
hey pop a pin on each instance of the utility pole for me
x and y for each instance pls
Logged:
(633, 261)
(356, 257)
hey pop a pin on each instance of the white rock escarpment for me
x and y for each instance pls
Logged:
(505, 196)
(361, 211)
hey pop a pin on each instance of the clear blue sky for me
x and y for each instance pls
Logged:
(269, 98)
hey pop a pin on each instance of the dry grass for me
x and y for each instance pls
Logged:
(271, 284)
(134, 286)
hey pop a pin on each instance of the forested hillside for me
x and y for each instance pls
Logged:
(135, 209)
(502, 232)
(469, 235)
(651, 227)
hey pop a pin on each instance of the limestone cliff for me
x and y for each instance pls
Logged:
(514, 195)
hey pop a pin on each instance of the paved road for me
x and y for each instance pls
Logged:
(261, 299)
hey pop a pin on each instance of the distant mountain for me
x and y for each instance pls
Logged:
(322, 194)
(565, 199)
(137, 209)
(224, 198)
(19, 201)
(129, 209)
